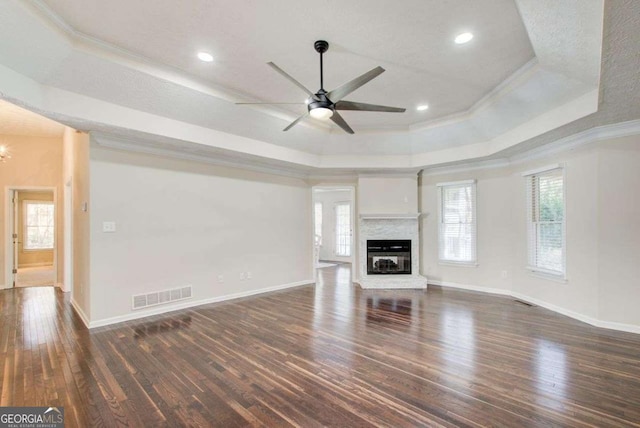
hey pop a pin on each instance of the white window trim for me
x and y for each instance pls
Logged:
(455, 263)
(25, 202)
(539, 272)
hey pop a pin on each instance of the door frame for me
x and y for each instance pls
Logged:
(9, 227)
(354, 226)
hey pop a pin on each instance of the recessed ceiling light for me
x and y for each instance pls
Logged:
(204, 56)
(422, 107)
(463, 38)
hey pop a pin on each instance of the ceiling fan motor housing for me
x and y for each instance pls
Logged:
(321, 101)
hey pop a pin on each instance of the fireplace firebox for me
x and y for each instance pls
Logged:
(389, 257)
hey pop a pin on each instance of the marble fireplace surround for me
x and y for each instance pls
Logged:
(390, 226)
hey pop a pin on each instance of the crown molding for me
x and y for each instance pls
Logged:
(571, 142)
(583, 138)
(120, 143)
(402, 173)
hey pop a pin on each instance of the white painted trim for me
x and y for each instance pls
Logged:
(189, 304)
(588, 136)
(409, 216)
(450, 263)
(469, 287)
(29, 265)
(412, 173)
(76, 307)
(542, 169)
(456, 183)
(216, 159)
(629, 328)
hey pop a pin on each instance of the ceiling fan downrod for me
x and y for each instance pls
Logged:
(321, 46)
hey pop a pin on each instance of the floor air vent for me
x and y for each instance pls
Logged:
(140, 301)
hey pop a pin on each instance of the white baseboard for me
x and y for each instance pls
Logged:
(471, 287)
(189, 304)
(30, 265)
(629, 328)
(80, 312)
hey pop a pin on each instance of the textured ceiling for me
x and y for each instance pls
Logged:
(128, 70)
(414, 43)
(18, 121)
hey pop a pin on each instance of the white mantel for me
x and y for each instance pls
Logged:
(391, 226)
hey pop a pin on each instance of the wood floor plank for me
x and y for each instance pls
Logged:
(328, 354)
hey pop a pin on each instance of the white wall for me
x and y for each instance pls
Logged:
(183, 223)
(329, 200)
(602, 233)
(619, 231)
(76, 169)
(387, 195)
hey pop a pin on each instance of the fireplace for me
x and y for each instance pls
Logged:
(389, 257)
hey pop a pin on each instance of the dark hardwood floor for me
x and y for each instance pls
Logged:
(329, 355)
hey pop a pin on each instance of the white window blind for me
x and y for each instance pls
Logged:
(545, 218)
(457, 222)
(38, 225)
(343, 229)
(317, 227)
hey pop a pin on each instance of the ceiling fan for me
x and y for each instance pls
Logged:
(324, 105)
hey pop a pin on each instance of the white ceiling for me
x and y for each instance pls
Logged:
(128, 70)
(18, 121)
(414, 43)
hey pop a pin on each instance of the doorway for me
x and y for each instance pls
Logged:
(334, 227)
(31, 239)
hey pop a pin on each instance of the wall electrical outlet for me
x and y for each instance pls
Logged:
(220, 278)
(241, 276)
(249, 275)
(108, 226)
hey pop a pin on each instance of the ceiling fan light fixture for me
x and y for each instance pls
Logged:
(321, 113)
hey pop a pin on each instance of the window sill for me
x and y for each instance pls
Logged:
(458, 264)
(560, 278)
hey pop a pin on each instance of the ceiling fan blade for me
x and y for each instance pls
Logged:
(344, 90)
(352, 105)
(338, 120)
(292, 124)
(268, 103)
(291, 79)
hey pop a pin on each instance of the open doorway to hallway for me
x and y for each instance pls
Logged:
(31, 180)
(334, 226)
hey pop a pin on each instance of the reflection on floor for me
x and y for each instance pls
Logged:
(329, 354)
(35, 276)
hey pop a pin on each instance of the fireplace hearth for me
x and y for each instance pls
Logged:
(389, 255)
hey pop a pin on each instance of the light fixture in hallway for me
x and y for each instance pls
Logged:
(4, 153)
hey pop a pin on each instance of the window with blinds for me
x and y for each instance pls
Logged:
(343, 229)
(545, 219)
(457, 222)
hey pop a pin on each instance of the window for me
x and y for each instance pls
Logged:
(545, 219)
(38, 225)
(317, 227)
(343, 229)
(457, 222)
